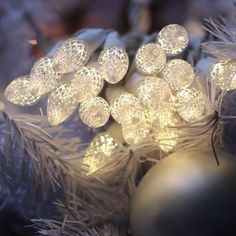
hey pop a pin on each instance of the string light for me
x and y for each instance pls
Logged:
(154, 92)
(87, 83)
(173, 39)
(150, 59)
(18, 93)
(190, 104)
(224, 74)
(136, 132)
(61, 104)
(43, 78)
(178, 73)
(100, 152)
(94, 112)
(114, 63)
(126, 109)
(72, 54)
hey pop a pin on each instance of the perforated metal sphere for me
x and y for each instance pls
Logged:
(72, 54)
(190, 104)
(94, 112)
(114, 63)
(154, 92)
(173, 39)
(100, 151)
(150, 59)
(126, 109)
(178, 73)
(61, 105)
(87, 83)
(18, 93)
(224, 74)
(43, 78)
(135, 133)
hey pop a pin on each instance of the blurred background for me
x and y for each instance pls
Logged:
(29, 28)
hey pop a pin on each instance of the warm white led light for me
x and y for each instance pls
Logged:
(150, 59)
(173, 39)
(87, 83)
(72, 54)
(18, 93)
(178, 73)
(113, 62)
(154, 92)
(61, 104)
(94, 112)
(190, 104)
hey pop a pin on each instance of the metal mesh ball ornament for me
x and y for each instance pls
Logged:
(150, 59)
(178, 73)
(113, 63)
(224, 74)
(43, 78)
(87, 83)
(72, 54)
(154, 92)
(61, 104)
(18, 93)
(94, 112)
(173, 39)
(126, 109)
(190, 104)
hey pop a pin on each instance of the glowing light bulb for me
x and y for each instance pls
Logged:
(114, 63)
(150, 59)
(173, 39)
(100, 152)
(94, 112)
(224, 74)
(43, 78)
(87, 83)
(126, 109)
(190, 104)
(72, 54)
(178, 74)
(166, 138)
(61, 104)
(135, 133)
(154, 92)
(18, 93)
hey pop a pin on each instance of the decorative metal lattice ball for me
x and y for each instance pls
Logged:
(154, 92)
(61, 104)
(43, 78)
(127, 109)
(113, 63)
(173, 39)
(87, 83)
(178, 73)
(94, 112)
(18, 93)
(190, 104)
(150, 59)
(224, 74)
(72, 54)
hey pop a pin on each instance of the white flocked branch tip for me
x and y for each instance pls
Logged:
(61, 104)
(99, 152)
(43, 78)
(150, 59)
(178, 73)
(87, 83)
(18, 93)
(154, 92)
(173, 39)
(94, 112)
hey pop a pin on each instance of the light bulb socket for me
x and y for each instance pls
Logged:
(113, 39)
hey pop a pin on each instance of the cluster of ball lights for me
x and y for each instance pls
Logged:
(158, 95)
